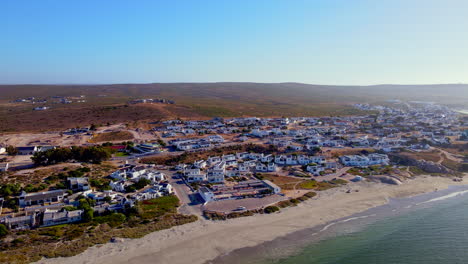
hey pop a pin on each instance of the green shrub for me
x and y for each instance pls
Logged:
(284, 204)
(113, 220)
(271, 209)
(294, 201)
(310, 194)
(3, 231)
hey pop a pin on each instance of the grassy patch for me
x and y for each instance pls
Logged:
(321, 186)
(284, 182)
(156, 207)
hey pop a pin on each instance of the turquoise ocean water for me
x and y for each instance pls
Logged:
(429, 229)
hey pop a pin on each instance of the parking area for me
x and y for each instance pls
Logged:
(249, 203)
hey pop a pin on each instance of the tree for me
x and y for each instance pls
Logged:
(86, 205)
(3, 230)
(12, 151)
(83, 154)
(130, 188)
(161, 143)
(141, 183)
(88, 215)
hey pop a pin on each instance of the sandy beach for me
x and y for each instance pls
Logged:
(204, 240)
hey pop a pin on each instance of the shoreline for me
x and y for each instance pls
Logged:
(204, 240)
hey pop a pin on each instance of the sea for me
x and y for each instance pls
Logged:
(431, 228)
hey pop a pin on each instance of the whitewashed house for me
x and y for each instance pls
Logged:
(119, 186)
(269, 167)
(200, 164)
(315, 169)
(54, 217)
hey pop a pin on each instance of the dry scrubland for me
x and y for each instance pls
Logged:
(107, 103)
(23, 118)
(112, 136)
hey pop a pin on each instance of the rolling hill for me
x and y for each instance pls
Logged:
(108, 103)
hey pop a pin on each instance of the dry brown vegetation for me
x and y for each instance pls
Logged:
(70, 240)
(348, 151)
(459, 148)
(112, 136)
(22, 118)
(433, 155)
(108, 103)
(284, 182)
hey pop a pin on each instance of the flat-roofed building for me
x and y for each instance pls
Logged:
(41, 198)
(54, 217)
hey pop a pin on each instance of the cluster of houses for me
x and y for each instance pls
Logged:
(411, 125)
(196, 143)
(42, 209)
(52, 99)
(216, 169)
(152, 101)
(364, 161)
(49, 207)
(391, 130)
(129, 174)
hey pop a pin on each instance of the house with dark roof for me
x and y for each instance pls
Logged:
(41, 198)
(27, 150)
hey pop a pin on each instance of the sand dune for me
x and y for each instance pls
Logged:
(203, 240)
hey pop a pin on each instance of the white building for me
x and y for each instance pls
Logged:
(54, 217)
(363, 161)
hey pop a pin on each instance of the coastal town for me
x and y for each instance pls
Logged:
(308, 150)
(222, 167)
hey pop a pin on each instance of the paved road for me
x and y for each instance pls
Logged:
(191, 202)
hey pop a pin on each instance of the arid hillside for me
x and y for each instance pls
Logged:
(109, 103)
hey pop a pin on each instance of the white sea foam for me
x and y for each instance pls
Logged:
(448, 196)
(342, 221)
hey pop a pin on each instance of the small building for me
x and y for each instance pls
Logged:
(275, 188)
(315, 169)
(4, 167)
(54, 217)
(206, 194)
(41, 108)
(21, 222)
(41, 198)
(78, 184)
(27, 150)
(119, 186)
(148, 148)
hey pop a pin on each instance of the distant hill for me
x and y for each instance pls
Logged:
(197, 100)
(269, 91)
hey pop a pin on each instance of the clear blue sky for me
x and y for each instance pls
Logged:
(322, 41)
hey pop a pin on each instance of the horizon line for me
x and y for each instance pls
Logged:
(246, 82)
